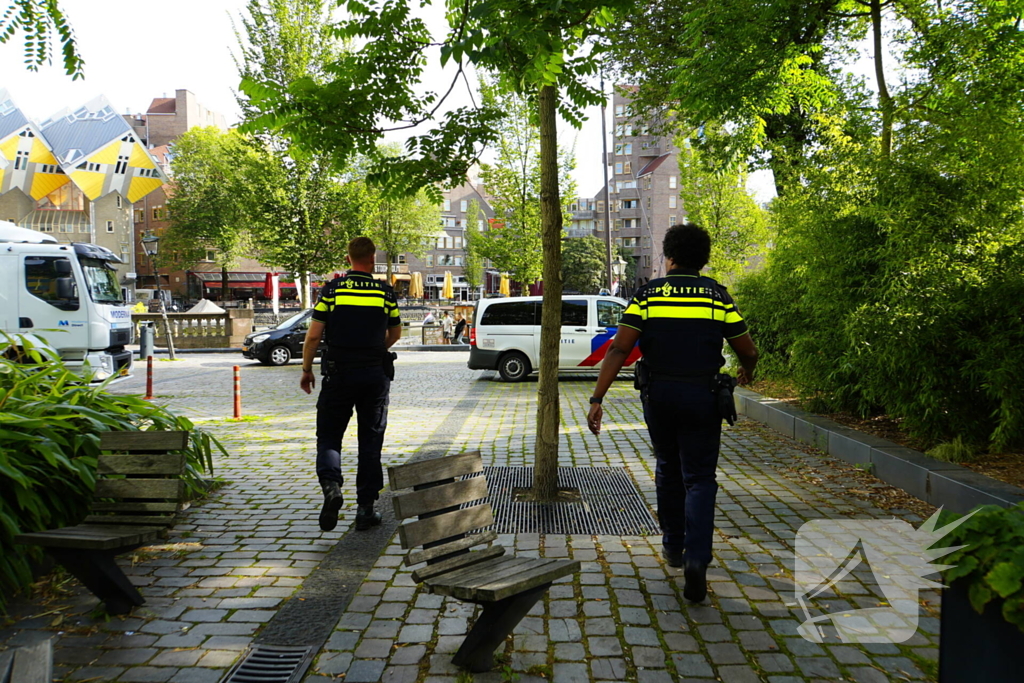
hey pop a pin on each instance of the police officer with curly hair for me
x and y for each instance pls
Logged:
(361, 319)
(680, 322)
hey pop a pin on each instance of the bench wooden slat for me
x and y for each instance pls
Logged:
(520, 579)
(457, 562)
(155, 463)
(437, 469)
(417, 556)
(135, 506)
(130, 520)
(143, 441)
(444, 526)
(484, 571)
(109, 538)
(139, 488)
(439, 497)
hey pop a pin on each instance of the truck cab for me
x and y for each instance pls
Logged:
(69, 295)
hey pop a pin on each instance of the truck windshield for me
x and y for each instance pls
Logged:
(101, 281)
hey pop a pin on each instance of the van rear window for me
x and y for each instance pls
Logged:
(512, 313)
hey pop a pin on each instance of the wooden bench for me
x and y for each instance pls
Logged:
(29, 664)
(447, 527)
(129, 510)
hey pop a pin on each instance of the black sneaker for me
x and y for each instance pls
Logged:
(695, 586)
(674, 558)
(366, 517)
(332, 504)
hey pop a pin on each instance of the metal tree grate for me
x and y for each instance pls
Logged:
(271, 664)
(609, 503)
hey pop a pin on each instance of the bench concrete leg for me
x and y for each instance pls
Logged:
(490, 630)
(98, 571)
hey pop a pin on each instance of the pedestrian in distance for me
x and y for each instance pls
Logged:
(460, 327)
(360, 316)
(680, 322)
(447, 327)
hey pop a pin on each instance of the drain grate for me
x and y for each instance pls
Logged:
(271, 664)
(610, 503)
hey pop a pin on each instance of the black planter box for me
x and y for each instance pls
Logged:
(977, 648)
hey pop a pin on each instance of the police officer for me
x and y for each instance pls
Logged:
(680, 321)
(360, 315)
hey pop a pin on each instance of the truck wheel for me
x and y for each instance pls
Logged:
(513, 366)
(279, 355)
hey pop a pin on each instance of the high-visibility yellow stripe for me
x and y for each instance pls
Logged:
(373, 302)
(634, 309)
(692, 312)
(364, 292)
(733, 317)
(395, 313)
(707, 300)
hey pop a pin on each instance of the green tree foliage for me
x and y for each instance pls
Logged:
(473, 268)
(899, 254)
(214, 191)
(583, 265)
(306, 214)
(714, 194)
(401, 225)
(39, 20)
(513, 243)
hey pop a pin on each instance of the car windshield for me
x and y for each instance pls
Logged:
(290, 321)
(101, 281)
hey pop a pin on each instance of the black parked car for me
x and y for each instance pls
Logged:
(280, 344)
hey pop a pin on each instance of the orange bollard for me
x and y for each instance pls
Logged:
(149, 378)
(238, 393)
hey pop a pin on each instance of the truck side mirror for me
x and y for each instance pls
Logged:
(62, 267)
(66, 287)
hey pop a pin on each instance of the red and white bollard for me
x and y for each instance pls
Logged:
(149, 378)
(238, 393)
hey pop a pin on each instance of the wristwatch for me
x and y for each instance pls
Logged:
(595, 399)
(307, 369)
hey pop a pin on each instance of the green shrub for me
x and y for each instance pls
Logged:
(992, 559)
(953, 451)
(50, 422)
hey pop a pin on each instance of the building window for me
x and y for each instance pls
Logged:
(140, 215)
(619, 109)
(630, 223)
(671, 201)
(630, 204)
(121, 167)
(401, 258)
(21, 161)
(627, 168)
(117, 201)
(480, 224)
(618, 241)
(645, 242)
(600, 205)
(618, 149)
(671, 221)
(647, 182)
(647, 260)
(627, 148)
(463, 206)
(110, 226)
(671, 182)
(458, 242)
(599, 226)
(430, 260)
(447, 205)
(620, 128)
(158, 213)
(617, 224)
(648, 202)
(458, 260)
(618, 168)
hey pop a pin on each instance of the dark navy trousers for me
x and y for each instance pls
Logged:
(685, 429)
(367, 390)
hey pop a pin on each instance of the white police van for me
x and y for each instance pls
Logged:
(505, 335)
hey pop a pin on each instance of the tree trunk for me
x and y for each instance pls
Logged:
(302, 287)
(545, 472)
(885, 102)
(387, 271)
(225, 290)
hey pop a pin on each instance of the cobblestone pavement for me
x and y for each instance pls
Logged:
(238, 555)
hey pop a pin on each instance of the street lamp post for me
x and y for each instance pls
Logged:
(151, 244)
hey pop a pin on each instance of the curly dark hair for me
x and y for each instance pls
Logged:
(688, 245)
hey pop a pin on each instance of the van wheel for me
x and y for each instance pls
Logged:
(279, 355)
(513, 367)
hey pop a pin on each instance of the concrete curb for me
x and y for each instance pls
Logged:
(941, 484)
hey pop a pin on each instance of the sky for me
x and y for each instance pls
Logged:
(135, 51)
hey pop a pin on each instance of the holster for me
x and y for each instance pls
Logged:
(641, 375)
(723, 389)
(389, 364)
(328, 367)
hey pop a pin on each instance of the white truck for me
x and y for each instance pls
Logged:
(67, 294)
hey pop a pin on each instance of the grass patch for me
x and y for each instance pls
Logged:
(953, 451)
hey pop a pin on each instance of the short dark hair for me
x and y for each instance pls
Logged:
(361, 249)
(688, 245)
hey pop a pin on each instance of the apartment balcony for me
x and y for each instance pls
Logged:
(628, 213)
(583, 215)
(650, 151)
(578, 232)
(395, 268)
(628, 193)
